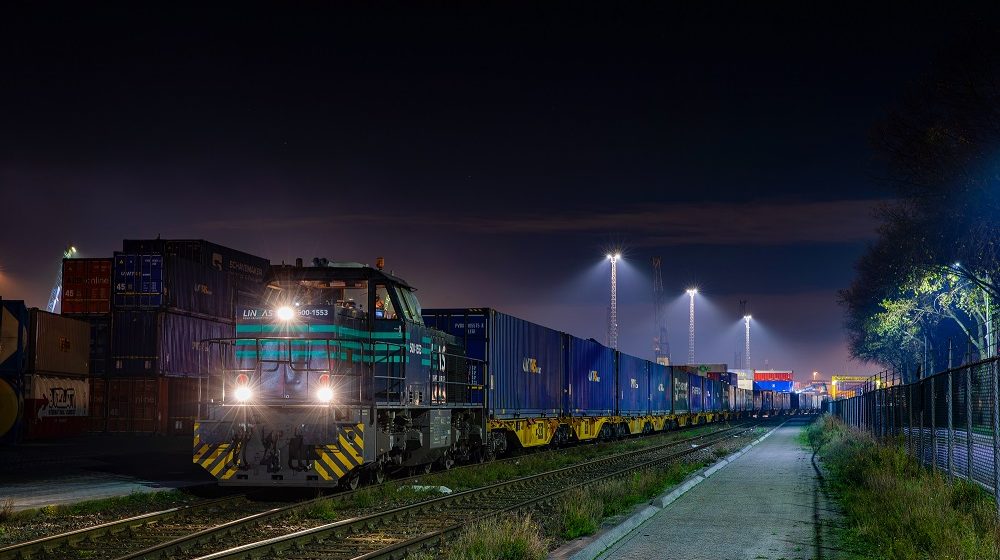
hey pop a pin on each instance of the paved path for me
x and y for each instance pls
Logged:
(767, 504)
(89, 467)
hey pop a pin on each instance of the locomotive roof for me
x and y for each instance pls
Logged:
(334, 271)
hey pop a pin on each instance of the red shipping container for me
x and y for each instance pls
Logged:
(772, 376)
(86, 286)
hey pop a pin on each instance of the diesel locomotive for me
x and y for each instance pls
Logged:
(337, 376)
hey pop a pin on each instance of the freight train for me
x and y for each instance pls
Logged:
(338, 376)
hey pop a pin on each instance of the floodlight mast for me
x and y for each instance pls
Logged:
(691, 293)
(613, 315)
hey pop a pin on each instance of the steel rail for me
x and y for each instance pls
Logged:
(44, 544)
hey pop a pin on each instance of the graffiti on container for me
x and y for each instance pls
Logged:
(62, 401)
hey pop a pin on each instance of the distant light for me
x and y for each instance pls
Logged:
(747, 317)
(609, 256)
(957, 265)
(618, 256)
(285, 313)
(72, 249)
(692, 291)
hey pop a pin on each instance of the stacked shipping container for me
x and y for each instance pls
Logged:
(56, 387)
(148, 308)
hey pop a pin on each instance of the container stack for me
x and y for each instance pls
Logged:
(86, 296)
(164, 297)
(777, 381)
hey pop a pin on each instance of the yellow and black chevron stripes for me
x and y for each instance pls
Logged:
(216, 459)
(336, 460)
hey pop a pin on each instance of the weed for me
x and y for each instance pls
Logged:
(6, 509)
(500, 539)
(897, 509)
(580, 514)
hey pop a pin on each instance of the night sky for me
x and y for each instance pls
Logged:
(491, 155)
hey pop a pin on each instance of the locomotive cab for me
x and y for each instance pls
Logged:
(333, 378)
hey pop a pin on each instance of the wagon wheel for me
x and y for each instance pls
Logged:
(350, 481)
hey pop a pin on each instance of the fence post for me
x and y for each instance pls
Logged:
(951, 432)
(934, 456)
(969, 472)
(996, 433)
(922, 436)
(909, 424)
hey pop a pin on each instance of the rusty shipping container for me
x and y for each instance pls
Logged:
(126, 404)
(86, 287)
(58, 345)
(144, 405)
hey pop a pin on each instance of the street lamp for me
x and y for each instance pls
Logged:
(613, 316)
(691, 292)
(746, 350)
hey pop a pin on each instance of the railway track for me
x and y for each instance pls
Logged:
(183, 532)
(396, 532)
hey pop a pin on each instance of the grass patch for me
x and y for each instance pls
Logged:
(581, 511)
(896, 509)
(134, 502)
(500, 539)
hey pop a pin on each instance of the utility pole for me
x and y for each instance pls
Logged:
(661, 347)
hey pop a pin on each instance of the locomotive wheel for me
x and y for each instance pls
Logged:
(446, 463)
(350, 481)
(378, 475)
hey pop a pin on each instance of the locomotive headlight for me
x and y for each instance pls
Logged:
(285, 313)
(325, 394)
(243, 393)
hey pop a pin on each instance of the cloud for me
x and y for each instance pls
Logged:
(759, 223)
(708, 223)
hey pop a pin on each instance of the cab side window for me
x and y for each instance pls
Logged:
(385, 307)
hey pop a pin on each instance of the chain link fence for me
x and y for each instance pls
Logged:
(949, 421)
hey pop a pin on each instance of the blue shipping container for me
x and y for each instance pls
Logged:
(100, 343)
(682, 403)
(14, 324)
(711, 395)
(525, 362)
(696, 392)
(156, 282)
(147, 343)
(633, 385)
(660, 389)
(591, 387)
(776, 386)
